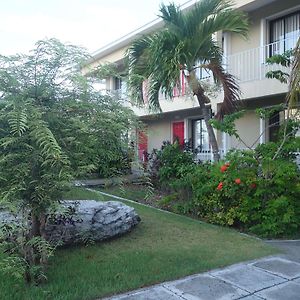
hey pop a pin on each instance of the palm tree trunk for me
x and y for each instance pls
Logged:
(202, 99)
(210, 130)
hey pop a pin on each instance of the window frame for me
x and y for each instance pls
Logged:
(270, 29)
(199, 147)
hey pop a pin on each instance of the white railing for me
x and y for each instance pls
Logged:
(251, 64)
(120, 94)
(207, 155)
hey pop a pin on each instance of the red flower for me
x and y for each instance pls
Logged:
(238, 181)
(220, 186)
(253, 185)
(223, 168)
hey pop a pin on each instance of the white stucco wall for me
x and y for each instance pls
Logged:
(158, 132)
(249, 130)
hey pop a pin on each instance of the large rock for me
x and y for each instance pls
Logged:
(91, 221)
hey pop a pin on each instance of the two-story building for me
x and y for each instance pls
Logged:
(274, 28)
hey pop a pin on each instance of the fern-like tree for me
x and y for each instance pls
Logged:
(53, 125)
(33, 173)
(187, 42)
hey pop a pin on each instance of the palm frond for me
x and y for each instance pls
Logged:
(230, 88)
(155, 58)
(137, 56)
(173, 18)
(201, 11)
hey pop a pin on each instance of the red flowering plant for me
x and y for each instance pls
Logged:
(249, 191)
(230, 182)
(220, 186)
(253, 193)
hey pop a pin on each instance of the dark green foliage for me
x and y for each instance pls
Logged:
(250, 191)
(169, 161)
(53, 125)
(282, 60)
(94, 134)
(258, 194)
(91, 128)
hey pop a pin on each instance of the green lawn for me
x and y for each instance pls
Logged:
(133, 192)
(163, 246)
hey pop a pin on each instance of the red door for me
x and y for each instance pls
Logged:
(178, 132)
(142, 145)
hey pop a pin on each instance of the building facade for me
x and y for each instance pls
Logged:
(274, 28)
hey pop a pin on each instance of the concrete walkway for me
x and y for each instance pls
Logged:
(271, 278)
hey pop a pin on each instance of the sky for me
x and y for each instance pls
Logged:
(91, 24)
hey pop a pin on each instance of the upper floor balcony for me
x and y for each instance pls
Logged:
(250, 68)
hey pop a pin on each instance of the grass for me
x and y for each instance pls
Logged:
(162, 247)
(133, 192)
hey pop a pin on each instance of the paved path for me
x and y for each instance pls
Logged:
(291, 249)
(271, 278)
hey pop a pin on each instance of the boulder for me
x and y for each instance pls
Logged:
(90, 221)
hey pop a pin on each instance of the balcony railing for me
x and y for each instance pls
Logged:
(207, 155)
(251, 64)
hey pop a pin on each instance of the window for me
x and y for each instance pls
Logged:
(118, 84)
(284, 33)
(274, 127)
(120, 88)
(200, 135)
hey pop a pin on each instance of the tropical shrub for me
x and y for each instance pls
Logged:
(225, 184)
(248, 190)
(260, 196)
(167, 163)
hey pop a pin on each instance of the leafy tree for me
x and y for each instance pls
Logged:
(294, 92)
(33, 173)
(54, 125)
(283, 60)
(186, 42)
(290, 58)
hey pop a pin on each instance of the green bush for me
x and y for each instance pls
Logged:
(248, 190)
(171, 159)
(274, 209)
(218, 194)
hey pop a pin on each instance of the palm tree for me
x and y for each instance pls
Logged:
(186, 42)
